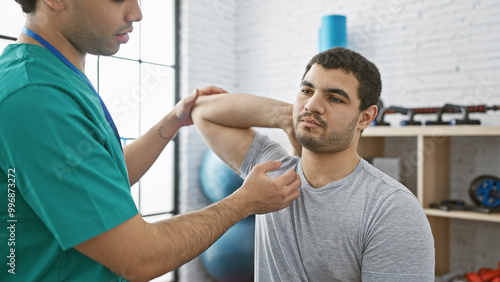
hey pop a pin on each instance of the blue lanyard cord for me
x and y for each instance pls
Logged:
(61, 57)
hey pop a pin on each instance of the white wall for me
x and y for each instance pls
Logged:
(208, 57)
(429, 53)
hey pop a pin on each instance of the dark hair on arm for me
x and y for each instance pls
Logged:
(28, 6)
(370, 84)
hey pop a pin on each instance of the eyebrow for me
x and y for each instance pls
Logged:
(338, 91)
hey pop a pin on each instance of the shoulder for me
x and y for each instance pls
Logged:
(377, 174)
(25, 65)
(34, 82)
(384, 195)
(33, 102)
(265, 149)
(381, 181)
(49, 118)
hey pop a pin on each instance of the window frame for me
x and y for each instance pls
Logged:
(177, 97)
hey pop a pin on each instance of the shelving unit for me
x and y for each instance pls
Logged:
(433, 174)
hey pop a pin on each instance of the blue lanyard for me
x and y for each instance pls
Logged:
(61, 57)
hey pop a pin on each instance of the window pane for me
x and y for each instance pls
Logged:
(131, 49)
(11, 18)
(157, 85)
(91, 69)
(157, 31)
(155, 218)
(157, 184)
(4, 43)
(134, 190)
(120, 90)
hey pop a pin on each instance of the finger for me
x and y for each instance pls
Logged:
(197, 93)
(296, 183)
(269, 166)
(292, 196)
(192, 98)
(212, 90)
(215, 89)
(293, 188)
(288, 177)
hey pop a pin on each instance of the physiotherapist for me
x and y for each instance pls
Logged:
(66, 211)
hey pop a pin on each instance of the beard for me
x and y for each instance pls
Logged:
(329, 142)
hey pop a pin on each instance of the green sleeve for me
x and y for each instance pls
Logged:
(68, 169)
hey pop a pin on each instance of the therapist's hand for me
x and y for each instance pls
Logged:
(183, 109)
(262, 194)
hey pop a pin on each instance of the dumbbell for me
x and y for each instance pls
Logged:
(453, 108)
(393, 110)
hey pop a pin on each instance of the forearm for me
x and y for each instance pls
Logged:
(140, 251)
(244, 111)
(143, 152)
(186, 236)
(225, 121)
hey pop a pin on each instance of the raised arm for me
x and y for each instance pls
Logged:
(225, 122)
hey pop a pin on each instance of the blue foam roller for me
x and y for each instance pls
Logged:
(333, 32)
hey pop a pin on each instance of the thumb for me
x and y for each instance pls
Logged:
(187, 103)
(270, 165)
(193, 96)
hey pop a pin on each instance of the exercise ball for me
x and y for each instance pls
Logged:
(231, 258)
(217, 179)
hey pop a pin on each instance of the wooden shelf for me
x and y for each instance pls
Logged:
(437, 130)
(469, 215)
(431, 157)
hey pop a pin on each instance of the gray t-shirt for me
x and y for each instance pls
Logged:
(365, 227)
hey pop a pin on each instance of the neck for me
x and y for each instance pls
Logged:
(321, 169)
(53, 35)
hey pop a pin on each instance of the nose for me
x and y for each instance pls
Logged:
(135, 13)
(315, 104)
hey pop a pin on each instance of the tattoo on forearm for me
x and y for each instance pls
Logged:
(161, 135)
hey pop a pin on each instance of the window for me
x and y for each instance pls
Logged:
(139, 87)
(11, 22)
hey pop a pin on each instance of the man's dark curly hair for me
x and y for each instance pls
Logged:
(28, 6)
(370, 84)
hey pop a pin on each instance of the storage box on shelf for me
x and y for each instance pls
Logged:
(433, 173)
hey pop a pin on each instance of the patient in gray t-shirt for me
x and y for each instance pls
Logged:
(366, 226)
(348, 221)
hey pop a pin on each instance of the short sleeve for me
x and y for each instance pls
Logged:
(261, 150)
(398, 244)
(67, 170)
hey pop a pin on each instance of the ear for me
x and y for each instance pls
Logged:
(56, 4)
(367, 116)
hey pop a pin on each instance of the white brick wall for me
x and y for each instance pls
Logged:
(429, 53)
(208, 57)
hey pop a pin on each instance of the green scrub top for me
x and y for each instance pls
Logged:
(63, 178)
